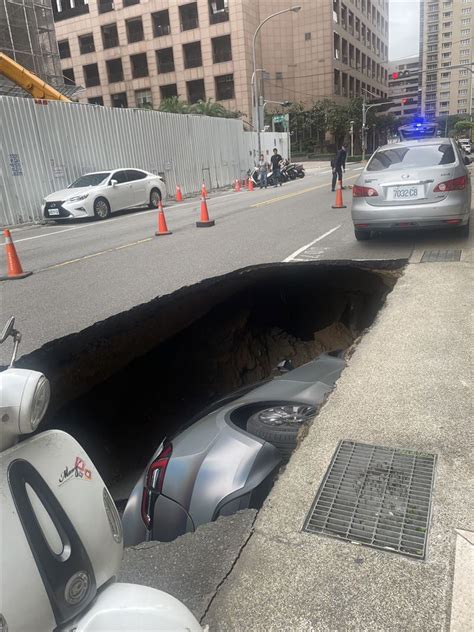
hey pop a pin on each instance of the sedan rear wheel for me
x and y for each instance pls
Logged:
(280, 425)
(101, 208)
(361, 235)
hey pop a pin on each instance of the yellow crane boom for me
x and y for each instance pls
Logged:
(27, 80)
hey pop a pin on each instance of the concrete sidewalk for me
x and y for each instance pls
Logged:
(407, 385)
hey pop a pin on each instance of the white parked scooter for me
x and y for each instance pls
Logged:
(60, 533)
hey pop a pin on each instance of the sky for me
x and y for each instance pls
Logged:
(404, 27)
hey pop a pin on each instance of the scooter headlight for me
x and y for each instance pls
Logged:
(40, 401)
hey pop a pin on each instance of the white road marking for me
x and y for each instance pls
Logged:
(300, 250)
(328, 171)
(358, 168)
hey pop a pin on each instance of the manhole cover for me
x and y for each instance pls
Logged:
(441, 256)
(376, 496)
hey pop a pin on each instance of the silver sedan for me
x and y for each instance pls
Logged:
(419, 184)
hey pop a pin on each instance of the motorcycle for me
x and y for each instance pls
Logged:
(61, 539)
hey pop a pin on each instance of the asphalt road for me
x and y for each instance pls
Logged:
(86, 272)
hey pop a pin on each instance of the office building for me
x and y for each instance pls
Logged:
(133, 53)
(446, 57)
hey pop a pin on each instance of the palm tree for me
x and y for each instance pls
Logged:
(209, 108)
(174, 105)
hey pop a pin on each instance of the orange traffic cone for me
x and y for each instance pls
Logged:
(339, 202)
(250, 185)
(237, 186)
(162, 227)
(14, 269)
(204, 190)
(205, 221)
(179, 195)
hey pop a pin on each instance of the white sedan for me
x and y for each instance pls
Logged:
(101, 193)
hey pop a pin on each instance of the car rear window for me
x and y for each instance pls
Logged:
(416, 156)
(89, 180)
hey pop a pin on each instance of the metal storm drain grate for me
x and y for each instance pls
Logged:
(376, 496)
(441, 256)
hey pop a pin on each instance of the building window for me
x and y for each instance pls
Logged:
(110, 37)
(463, 82)
(139, 65)
(68, 75)
(91, 75)
(462, 93)
(188, 16)
(169, 91)
(64, 50)
(119, 100)
(279, 76)
(447, 34)
(466, 11)
(465, 52)
(114, 70)
(165, 60)
(462, 101)
(225, 87)
(465, 21)
(143, 98)
(196, 90)
(128, 3)
(96, 100)
(307, 37)
(192, 55)
(63, 10)
(161, 23)
(86, 43)
(462, 111)
(105, 6)
(218, 11)
(134, 30)
(221, 49)
(465, 32)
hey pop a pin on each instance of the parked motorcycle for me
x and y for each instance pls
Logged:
(61, 537)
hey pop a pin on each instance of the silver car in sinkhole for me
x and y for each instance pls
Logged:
(227, 458)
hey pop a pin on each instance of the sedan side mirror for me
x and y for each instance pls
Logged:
(113, 183)
(467, 160)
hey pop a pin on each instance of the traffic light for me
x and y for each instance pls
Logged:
(408, 101)
(400, 75)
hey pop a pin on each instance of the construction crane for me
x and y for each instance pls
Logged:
(27, 80)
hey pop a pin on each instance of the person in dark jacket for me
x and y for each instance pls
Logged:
(276, 160)
(338, 164)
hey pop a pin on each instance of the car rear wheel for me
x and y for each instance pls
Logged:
(101, 208)
(361, 235)
(155, 197)
(280, 425)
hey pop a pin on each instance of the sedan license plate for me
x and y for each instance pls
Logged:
(404, 192)
(53, 211)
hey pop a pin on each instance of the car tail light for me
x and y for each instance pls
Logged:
(451, 185)
(154, 481)
(358, 191)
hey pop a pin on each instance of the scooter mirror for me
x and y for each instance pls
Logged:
(7, 330)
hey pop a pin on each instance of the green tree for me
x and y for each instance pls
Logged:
(463, 128)
(338, 121)
(208, 108)
(174, 105)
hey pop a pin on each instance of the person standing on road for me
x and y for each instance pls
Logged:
(263, 167)
(338, 164)
(276, 160)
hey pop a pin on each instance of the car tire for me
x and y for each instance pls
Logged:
(155, 197)
(362, 235)
(101, 208)
(280, 425)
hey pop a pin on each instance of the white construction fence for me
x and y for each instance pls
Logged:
(46, 145)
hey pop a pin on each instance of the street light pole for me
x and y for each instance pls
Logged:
(365, 109)
(254, 85)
